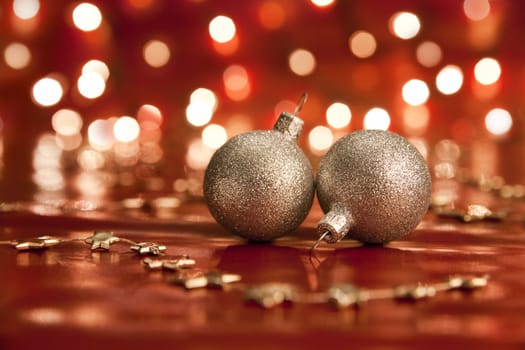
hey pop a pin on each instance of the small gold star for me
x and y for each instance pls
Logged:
(346, 295)
(146, 248)
(175, 264)
(38, 243)
(270, 294)
(198, 279)
(101, 240)
(469, 282)
(414, 292)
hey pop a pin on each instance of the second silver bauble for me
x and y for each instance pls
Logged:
(374, 186)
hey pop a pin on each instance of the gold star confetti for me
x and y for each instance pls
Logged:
(175, 264)
(345, 295)
(468, 283)
(270, 294)
(178, 264)
(414, 292)
(153, 264)
(198, 279)
(473, 213)
(38, 243)
(146, 248)
(101, 240)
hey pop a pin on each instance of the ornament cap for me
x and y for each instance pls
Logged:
(290, 125)
(335, 224)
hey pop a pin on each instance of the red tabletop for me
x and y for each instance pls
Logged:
(69, 296)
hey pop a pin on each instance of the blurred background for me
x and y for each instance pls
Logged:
(116, 98)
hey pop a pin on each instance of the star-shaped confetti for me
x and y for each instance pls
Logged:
(468, 283)
(146, 248)
(175, 264)
(346, 295)
(38, 243)
(414, 292)
(101, 240)
(270, 294)
(473, 213)
(198, 279)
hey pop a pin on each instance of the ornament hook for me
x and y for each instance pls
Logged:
(300, 103)
(318, 242)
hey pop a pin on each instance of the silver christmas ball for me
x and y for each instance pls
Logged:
(260, 185)
(374, 186)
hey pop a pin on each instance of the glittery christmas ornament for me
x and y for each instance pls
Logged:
(260, 185)
(374, 186)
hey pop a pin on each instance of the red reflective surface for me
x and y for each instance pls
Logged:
(70, 297)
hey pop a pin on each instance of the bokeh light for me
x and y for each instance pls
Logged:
(151, 134)
(214, 136)
(236, 82)
(429, 54)
(487, 71)
(338, 115)
(363, 61)
(447, 151)
(322, 3)
(149, 117)
(405, 25)
(498, 121)
(362, 44)
(98, 67)
(87, 17)
(47, 147)
(320, 139)
(151, 153)
(376, 118)
(449, 79)
(68, 142)
(26, 9)
(91, 185)
(126, 129)
(47, 92)
(91, 85)
(17, 55)
(66, 122)
(100, 134)
(46, 316)
(49, 179)
(203, 103)
(198, 155)
(205, 97)
(90, 159)
(416, 119)
(47, 154)
(222, 29)
(271, 14)
(47, 164)
(476, 10)
(156, 53)
(126, 153)
(302, 62)
(415, 92)
(198, 114)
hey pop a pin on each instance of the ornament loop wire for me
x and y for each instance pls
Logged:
(315, 245)
(318, 242)
(300, 103)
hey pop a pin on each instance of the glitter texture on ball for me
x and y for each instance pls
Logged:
(260, 185)
(374, 186)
